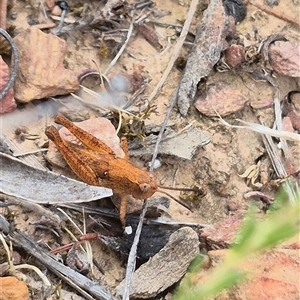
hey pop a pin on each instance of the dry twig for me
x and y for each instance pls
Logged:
(86, 287)
(14, 72)
(275, 12)
(113, 62)
(132, 255)
(209, 42)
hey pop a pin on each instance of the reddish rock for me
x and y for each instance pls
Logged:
(272, 275)
(285, 58)
(8, 103)
(166, 267)
(222, 234)
(50, 3)
(287, 124)
(225, 100)
(101, 128)
(13, 289)
(234, 55)
(56, 11)
(41, 70)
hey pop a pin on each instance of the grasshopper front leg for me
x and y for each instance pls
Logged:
(124, 147)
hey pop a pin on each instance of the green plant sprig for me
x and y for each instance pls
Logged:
(254, 236)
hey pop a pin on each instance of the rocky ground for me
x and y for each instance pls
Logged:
(256, 63)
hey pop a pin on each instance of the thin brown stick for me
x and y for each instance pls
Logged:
(275, 12)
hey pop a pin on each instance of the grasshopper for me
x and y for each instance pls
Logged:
(96, 164)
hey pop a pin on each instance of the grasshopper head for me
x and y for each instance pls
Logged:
(146, 189)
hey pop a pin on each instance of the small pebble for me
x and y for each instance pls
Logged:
(128, 230)
(56, 11)
(234, 55)
(50, 3)
(156, 165)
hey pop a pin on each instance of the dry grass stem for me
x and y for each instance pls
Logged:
(30, 152)
(113, 62)
(29, 159)
(88, 247)
(275, 12)
(176, 50)
(86, 287)
(38, 209)
(263, 129)
(131, 263)
(13, 268)
(278, 166)
(278, 122)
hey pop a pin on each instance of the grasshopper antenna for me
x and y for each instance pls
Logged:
(196, 190)
(175, 199)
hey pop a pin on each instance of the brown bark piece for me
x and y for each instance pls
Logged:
(41, 70)
(209, 43)
(7, 104)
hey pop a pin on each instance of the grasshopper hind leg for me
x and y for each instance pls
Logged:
(72, 157)
(87, 139)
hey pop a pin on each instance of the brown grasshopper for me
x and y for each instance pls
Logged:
(96, 164)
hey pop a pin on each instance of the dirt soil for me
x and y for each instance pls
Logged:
(215, 167)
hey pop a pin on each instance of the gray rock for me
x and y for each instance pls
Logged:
(165, 268)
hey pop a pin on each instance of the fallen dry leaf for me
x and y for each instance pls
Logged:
(23, 181)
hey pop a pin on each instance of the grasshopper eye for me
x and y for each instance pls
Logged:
(144, 187)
